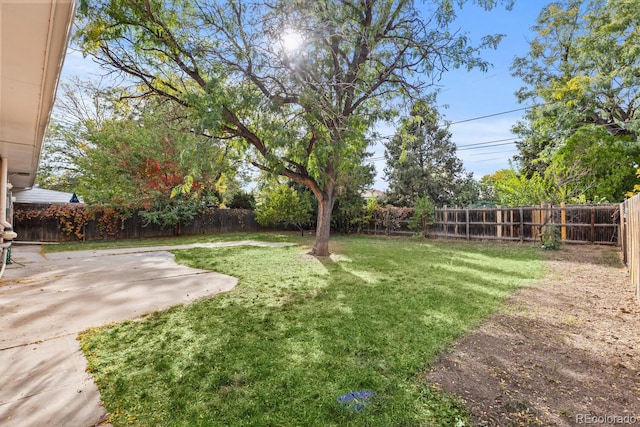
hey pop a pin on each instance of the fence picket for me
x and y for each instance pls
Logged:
(630, 217)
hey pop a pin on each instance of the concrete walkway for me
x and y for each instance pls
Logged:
(46, 301)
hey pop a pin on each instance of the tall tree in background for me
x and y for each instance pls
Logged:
(295, 84)
(582, 69)
(132, 154)
(513, 188)
(81, 108)
(422, 161)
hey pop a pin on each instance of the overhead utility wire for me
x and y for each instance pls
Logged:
(494, 114)
(484, 146)
(485, 142)
(522, 109)
(475, 146)
(510, 150)
(387, 137)
(484, 160)
(469, 146)
(379, 158)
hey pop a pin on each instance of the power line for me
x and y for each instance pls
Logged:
(475, 146)
(485, 146)
(492, 152)
(389, 137)
(486, 142)
(491, 143)
(495, 114)
(380, 158)
(484, 160)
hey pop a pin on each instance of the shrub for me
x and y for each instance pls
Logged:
(242, 200)
(285, 205)
(551, 238)
(423, 215)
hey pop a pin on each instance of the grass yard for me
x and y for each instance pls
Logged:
(170, 241)
(298, 332)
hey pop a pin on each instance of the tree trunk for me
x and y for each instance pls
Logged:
(323, 229)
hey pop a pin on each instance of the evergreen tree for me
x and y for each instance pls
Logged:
(422, 160)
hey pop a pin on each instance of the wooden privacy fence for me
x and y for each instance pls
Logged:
(209, 222)
(576, 223)
(630, 239)
(598, 224)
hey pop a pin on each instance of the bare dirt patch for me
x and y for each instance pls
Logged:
(565, 351)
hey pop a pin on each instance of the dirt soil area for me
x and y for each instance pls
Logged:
(565, 351)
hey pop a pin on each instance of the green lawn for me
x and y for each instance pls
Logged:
(170, 241)
(298, 332)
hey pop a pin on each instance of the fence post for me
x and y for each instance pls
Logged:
(622, 238)
(521, 224)
(484, 221)
(457, 217)
(446, 220)
(534, 222)
(632, 233)
(563, 221)
(593, 224)
(499, 222)
(387, 226)
(466, 211)
(511, 223)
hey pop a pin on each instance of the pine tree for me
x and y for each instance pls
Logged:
(422, 160)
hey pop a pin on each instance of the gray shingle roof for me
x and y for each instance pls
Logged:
(41, 195)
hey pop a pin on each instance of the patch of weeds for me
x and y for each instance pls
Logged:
(515, 406)
(551, 238)
(444, 409)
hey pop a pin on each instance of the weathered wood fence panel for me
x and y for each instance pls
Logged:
(210, 222)
(598, 224)
(577, 223)
(630, 239)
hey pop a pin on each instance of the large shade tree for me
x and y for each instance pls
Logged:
(295, 84)
(582, 69)
(594, 166)
(81, 108)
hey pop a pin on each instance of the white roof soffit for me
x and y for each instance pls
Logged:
(33, 41)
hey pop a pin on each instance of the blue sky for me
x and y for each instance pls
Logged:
(475, 94)
(467, 94)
